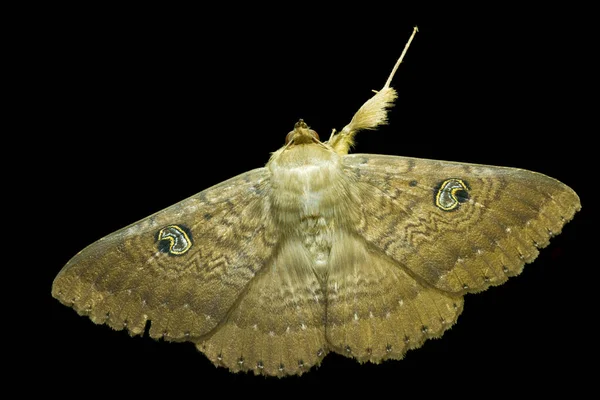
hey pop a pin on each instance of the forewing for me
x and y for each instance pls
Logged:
(459, 227)
(182, 268)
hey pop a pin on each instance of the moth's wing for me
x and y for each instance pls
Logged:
(277, 327)
(182, 268)
(424, 233)
(458, 227)
(376, 309)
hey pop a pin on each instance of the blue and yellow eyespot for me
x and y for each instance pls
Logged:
(451, 193)
(175, 240)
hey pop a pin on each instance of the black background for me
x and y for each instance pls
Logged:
(149, 106)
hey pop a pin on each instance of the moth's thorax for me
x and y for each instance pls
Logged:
(306, 180)
(311, 196)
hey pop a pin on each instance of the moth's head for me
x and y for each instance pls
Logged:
(302, 146)
(301, 134)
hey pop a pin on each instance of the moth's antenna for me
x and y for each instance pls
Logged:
(387, 84)
(371, 114)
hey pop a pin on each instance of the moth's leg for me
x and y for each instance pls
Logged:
(332, 134)
(371, 114)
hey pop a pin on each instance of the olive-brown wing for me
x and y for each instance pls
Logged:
(459, 227)
(182, 268)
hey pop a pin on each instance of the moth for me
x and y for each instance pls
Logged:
(319, 251)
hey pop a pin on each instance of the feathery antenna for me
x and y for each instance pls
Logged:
(387, 84)
(371, 114)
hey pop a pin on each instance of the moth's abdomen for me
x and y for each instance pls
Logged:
(317, 235)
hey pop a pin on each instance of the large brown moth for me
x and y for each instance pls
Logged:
(319, 251)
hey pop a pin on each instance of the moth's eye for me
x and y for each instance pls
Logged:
(315, 134)
(288, 137)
